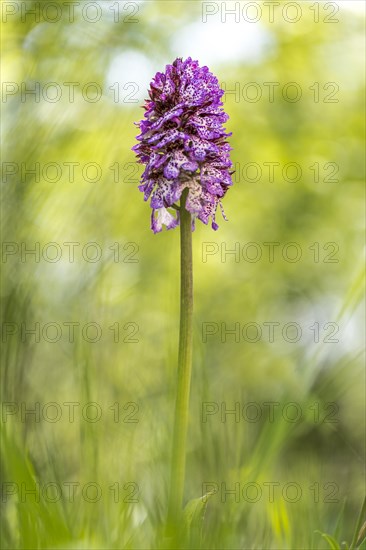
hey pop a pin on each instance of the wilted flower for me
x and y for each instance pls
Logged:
(183, 144)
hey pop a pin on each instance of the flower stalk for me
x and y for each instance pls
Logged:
(177, 475)
(183, 145)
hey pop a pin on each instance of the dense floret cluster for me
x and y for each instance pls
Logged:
(183, 144)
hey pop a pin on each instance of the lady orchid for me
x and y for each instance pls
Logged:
(187, 159)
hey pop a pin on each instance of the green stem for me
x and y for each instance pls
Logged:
(184, 369)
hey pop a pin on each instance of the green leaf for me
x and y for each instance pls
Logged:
(333, 544)
(361, 536)
(193, 517)
(360, 529)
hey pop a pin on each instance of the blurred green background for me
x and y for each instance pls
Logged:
(106, 317)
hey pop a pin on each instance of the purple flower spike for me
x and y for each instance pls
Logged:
(183, 144)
